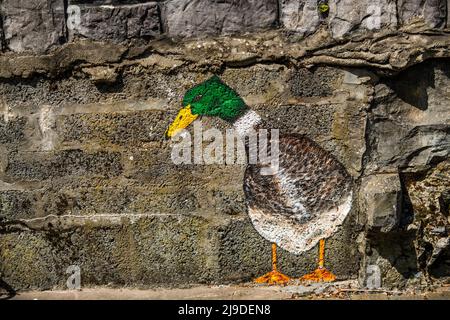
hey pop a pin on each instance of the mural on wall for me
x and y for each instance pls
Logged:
(295, 205)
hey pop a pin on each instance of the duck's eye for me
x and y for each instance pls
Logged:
(197, 98)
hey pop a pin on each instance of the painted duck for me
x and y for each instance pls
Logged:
(300, 204)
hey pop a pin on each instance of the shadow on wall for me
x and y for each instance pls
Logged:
(441, 267)
(411, 86)
(433, 254)
(106, 87)
(6, 291)
(398, 249)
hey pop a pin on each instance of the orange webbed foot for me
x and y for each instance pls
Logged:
(319, 275)
(273, 278)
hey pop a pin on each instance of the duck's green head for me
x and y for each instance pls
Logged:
(210, 98)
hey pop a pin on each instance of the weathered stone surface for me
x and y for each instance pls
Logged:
(133, 128)
(126, 252)
(16, 204)
(161, 171)
(381, 199)
(218, 53)
(410, 126)
(390, 262)
(101, 75)
(301, 16)
(156, 190)
(431, 216)
(348, 134)
(409, 132)
(33, 25)
(448, 13)
(185, 18)
(41, 25)
(151, 250)
(26, 66)
(107, 2)
(349, 15)
(272, 80)
(116, 23)
(31, 166)
(434, 12)
(12, 130)
(2, 35)
(320, 82)
(312, 120)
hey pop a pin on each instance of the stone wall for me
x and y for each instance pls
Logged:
(40, 25)
(87, 89)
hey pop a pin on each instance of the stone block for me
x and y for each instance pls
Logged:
(12, 130)
(16, 204)
(433, 12)
(114, 22)
(349, 15)
(320, 82)
(34, 26)
(300, 16)
(152, 250)
(411, 126)
(187, 18)
(125, 129)
(381, 200)
(35, 166)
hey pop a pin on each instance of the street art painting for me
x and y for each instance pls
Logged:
(295, 202)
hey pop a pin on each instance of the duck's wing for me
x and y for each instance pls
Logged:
(308, 197)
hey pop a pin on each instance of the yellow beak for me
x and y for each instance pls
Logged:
(182, 121)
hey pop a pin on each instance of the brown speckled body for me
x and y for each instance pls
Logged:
(308, 197)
